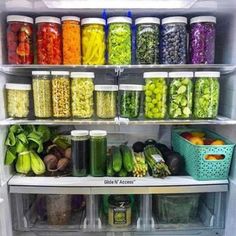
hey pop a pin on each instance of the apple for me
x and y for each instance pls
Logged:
(208, 141)
(210, 158)
(198, 134)
(186, 135)
(196, 140)
(218, 142)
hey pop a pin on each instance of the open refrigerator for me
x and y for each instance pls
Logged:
(21, 197)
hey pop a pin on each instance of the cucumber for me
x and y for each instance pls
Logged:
(116, 159)
(127, 158)
(110, 171)
(123, 173)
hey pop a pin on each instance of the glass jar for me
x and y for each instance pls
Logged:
(147, 40)
(180, 95)
(42, 94)
(48, 40)
(80, 152)
(130, 100)
(174, 40)
(82, 88)
(18, 100)
(202, 40)
(61, 94)
(119, 212)
(98, 152)
(58, 209)
(119, 40)
(206, 94)
(20, 39)
(71, 40)
(106, 97)
(93, 41)
(155, 102)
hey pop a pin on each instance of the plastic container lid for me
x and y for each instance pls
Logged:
(40, 72)
(60, 72)
(82, 75)
(79, 133)
(90, 21)
(214, 74)
(155, 75)
(74, 18)
(106, 87)
(187, 74)
(131, 87)
(174, 19)
(147, 20)
(97, 133)
(20, 19)
(18, 86)
(49, 19)
(199, 19)
(119, 19)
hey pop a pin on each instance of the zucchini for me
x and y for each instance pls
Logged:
(123, 173)
(127, 158)
(110, 171)
(116, 159)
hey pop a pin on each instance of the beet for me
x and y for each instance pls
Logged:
(175, 163)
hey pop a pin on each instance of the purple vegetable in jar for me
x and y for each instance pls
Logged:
(202, 40)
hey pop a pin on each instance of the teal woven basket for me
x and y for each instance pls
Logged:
(194, 155)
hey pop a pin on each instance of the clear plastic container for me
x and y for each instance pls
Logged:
(174, 40)
(98, 152)
(155, 102)
(80, 152)
(180, 95)
(49, 40)
(18, 100)
(58, 209)
(82, 88)
(119, 40)
(61, 94)
(106, 98)
(147, 40)
(20, 39)
(206, 94)
(93, 41)
(42, 94)
(202, 40)
(71, 40)
(130, 100)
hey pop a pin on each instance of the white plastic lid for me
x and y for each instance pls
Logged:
(60, 72)
(187, 74)
(214, 74)
(20, 19)
(82, 75)
(106, 87)
(98, 133)
(40, 72)
(90, 21)
(74, 18)
(18, 86)
(155, 75)
(174, 19)
(147, 20)
(131, 87)
(80, 133)
(199, 19)
(49, 19)
(119, 19)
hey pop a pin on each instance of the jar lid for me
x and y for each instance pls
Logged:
(106, 87)
(47, 19)
(119, 200)
(79, 133)
(214, 74)
(187, 74)
(73, 18)
(119, 19)
(131, 87)
(174, 19)
(20, 19)
(60, 72)
(155, 75)
(90, 21)
(82, 75)
(147, 20)
(18, 86)
(41, 72)
(98, 133)
(199, 19)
